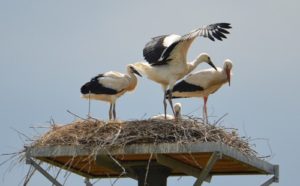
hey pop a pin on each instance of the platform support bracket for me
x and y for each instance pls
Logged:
(175, 164)
(209, 165)
(114, 165)
(273, 179)
(41, 170)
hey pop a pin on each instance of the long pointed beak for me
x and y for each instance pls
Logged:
(137, 73)
(228, 75)
(212, 65)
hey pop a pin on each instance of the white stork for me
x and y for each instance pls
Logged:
(110, 86)
(167, 56)
(203, 83)
(177, 117)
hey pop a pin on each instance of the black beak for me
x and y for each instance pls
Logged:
(228, 75)
(212, 65)
(136, 72)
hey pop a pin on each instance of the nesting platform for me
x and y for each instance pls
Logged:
(201, 160)
(148, 151)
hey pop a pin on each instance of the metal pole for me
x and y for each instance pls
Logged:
(156, 175)
(87, 182)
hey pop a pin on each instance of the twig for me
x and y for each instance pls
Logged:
(147, 169)
(20, 133)
(75, 115)
(221, 118)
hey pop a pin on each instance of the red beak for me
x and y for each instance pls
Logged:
(228, 75)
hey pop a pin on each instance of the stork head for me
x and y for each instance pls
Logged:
(177, 110)
(227, 68)
(204, 57)
(131, 69)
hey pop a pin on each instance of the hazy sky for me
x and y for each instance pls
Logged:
(48, 49)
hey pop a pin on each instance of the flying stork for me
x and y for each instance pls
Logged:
(203, 83)
(167, 56)
(110, 86)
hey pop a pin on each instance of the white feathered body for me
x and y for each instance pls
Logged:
(208, 81)
(113, 80)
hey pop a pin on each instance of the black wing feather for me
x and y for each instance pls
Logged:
(166, 54)
(95, 87)
(224, 25)
(184, 86)
(222, 35)
(210, 36)
(212, 31)
(216, 35)
(156, 53)
(223, 31)
(153, 49)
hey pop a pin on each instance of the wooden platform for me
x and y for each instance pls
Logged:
(182, 159)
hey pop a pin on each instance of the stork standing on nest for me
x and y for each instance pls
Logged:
(167, 56)
(177, 117)
(203, 83)
(110, 86)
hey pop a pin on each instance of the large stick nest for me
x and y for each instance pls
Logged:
(96, 133)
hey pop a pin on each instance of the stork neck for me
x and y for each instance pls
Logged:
(132, 81)
(192, 65)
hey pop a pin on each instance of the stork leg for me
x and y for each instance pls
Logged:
(110, 111)
(114, 111)
(171, 102)
(165, 104)
(205, 117)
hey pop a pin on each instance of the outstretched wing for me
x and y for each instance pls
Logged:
(162, 49)
(154, 50)
(212, 31)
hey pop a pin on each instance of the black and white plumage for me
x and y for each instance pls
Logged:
(167, 56)
(203, 83)
(167, 48)
(110, 86)
(167, 75)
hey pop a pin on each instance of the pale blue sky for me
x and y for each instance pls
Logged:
(48, 49)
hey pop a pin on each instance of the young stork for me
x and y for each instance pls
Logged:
(177, 117)
(203, 83)
(110, 86)
(167, 56)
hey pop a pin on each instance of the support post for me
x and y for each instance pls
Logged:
(156, 175)
(209, 165)
(87, 182)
